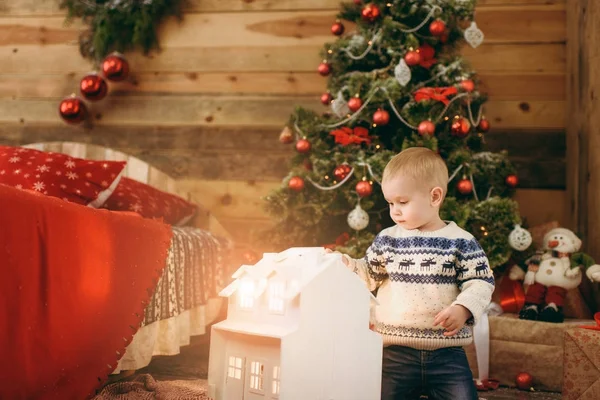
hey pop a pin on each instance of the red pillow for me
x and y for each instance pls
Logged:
(149, 202)
(72, 179)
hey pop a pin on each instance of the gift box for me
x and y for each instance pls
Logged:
(581, 378)
(534, 347)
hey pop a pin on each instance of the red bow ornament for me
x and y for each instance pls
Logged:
(346, 136)
(439, 94)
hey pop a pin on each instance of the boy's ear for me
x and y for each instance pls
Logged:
(437, 195)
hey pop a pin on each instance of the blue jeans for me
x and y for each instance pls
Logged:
(442, 374)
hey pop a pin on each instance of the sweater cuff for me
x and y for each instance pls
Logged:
(474, 306)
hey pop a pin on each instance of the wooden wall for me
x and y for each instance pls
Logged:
(209, 107)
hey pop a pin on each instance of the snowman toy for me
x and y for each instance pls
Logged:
(552, 274)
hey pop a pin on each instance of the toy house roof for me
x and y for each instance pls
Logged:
(298, 266)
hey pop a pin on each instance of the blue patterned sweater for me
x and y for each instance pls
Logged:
(418, 274)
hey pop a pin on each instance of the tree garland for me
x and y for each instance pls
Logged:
(119, 25)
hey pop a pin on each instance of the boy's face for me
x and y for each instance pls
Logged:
(412, 204)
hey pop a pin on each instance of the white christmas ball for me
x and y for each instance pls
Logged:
(519, 239)
(358, 218)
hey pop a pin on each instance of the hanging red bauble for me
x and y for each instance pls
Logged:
(286, 136)
(303, 146)
(426, 128)
(250, 257)
(370, 13)
(524, 380)
(412, 58)
(464, 186)
(381, 117)
(296, 183)
(307, 164)
(326, 98)
(341, 171)
(484, 125)
(364, 188)
(354, 104)
(337, 28)
(115, 67)
(460, 127)
(437, 27)
(467, 85)
(324, 68)
(357, 1)
(72, 110)
(512, 180)
(93, 87)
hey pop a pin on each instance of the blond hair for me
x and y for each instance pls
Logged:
(421, 164)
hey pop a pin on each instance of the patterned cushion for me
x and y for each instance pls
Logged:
(72, 179)
(149, 202)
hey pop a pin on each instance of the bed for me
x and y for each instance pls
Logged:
(180, 298)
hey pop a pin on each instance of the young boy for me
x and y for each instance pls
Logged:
(433, 281)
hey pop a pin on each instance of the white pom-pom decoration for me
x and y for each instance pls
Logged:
(358, 218)
(519, 239)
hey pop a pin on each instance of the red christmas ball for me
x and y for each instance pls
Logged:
(296, 183)
(337, 28)
(460, 127)
(381, 117)
(437, 27)
(467, 85)
(357, 1)
(512, 180)
(303, 146)
(115, 68)
(524, 380)
(250, 257)
(324, 69)
(93, 87)
(484, 125)
(370, 13)
(307, 164)
(464, 186)
(72, 110)
(341, 171)
(426, 128)
(364, 188)
(412, 58)
(326, 98)
(354, 104)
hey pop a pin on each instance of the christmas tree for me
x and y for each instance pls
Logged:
(396, 81)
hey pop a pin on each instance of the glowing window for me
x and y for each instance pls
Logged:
(275, 385)
(234, 369)
(276, 297)
(246, 294)
(256, 376)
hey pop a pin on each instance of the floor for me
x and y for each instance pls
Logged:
(192, 364)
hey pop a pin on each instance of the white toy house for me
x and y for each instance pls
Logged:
(297, 328)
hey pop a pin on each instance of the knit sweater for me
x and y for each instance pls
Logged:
(418, 274)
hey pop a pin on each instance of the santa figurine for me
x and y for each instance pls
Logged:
(551, 274)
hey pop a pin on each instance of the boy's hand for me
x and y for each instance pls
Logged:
(452, 319)
(344, 259)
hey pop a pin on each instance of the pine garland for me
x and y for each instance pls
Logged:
(119, 25)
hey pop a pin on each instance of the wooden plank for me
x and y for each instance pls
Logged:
(534, 207)
(51, 7)
(254, 153)
(583, 131)
(525, 58)
(230, 199)
(497, 85)
(244, 110)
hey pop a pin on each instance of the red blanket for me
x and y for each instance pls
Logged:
(73, 285)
